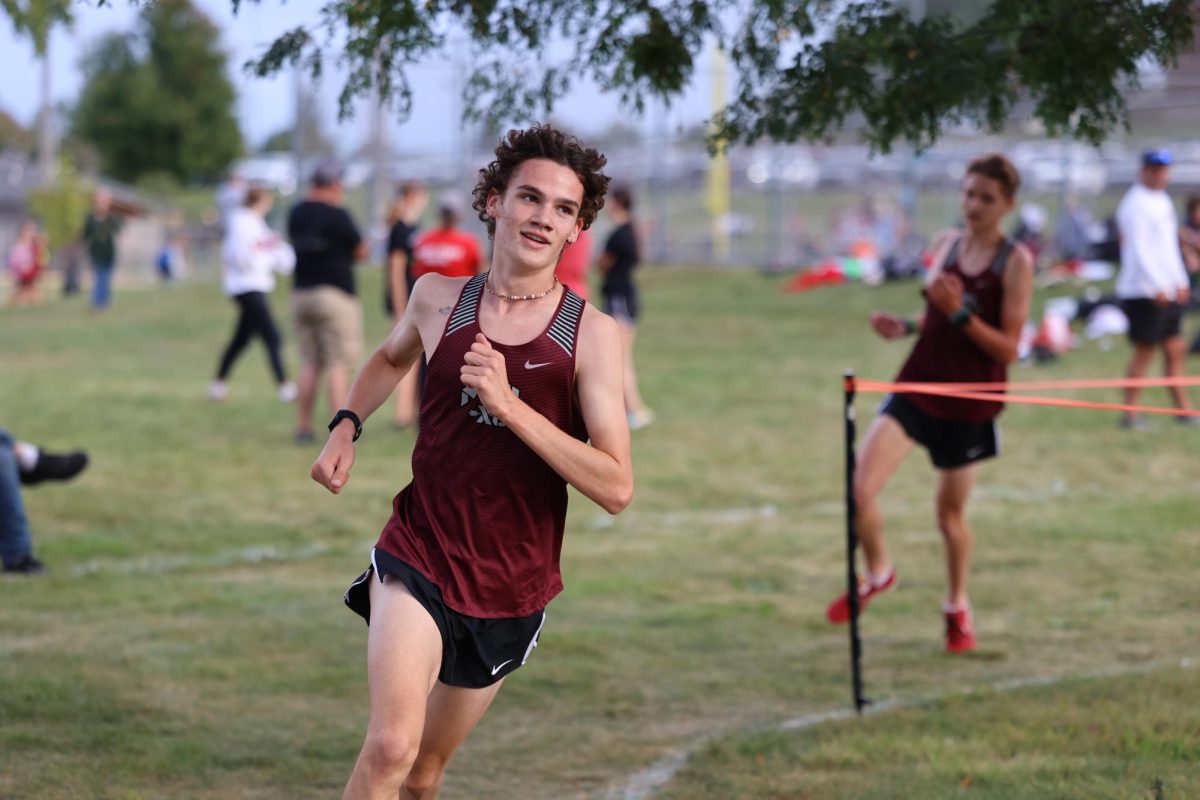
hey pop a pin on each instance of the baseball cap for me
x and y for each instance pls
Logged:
(1157, 158)
(327, 173)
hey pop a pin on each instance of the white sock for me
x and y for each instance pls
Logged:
(954, 608)
(27, 455)
(879, 580)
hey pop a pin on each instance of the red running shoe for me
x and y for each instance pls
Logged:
(960, 631)
(838, 611)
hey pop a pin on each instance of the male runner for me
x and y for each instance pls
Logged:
(976, 302)
(521, 374)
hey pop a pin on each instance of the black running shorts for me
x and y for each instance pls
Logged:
(950, 443)
(475, 652)
(1150, 322)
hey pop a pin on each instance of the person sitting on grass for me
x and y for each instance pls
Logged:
(21, 463)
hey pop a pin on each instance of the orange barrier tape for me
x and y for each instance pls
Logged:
(942, 390)
(1078, 383)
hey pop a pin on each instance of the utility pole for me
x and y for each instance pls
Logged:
(47, 155)
(378, 144)
(658, 183)
(718, 169)
(297, 125)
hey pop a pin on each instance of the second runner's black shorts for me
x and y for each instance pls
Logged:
(951, 443)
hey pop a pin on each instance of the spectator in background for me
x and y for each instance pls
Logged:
(1189, 236)
(447, 249)
(1071, 233)
(1189, 246)
(231, 197)
(617, 263)
(72, 258)
(1031, 231)
(26, 262)
(23, 463)
(405, 212)
(169, 264)
(250, 256)
(572, 269)
(100, 231)
(325, 306)
(1153, 282)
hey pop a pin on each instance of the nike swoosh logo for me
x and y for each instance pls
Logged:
(499, 667)
(535, 366)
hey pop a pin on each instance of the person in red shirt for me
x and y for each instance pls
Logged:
(523, 397)
(573, 265)
(977, 300)
(26, 262)
(447, 250)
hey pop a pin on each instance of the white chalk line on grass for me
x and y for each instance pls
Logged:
(264, 553)
(671, 519)
(644, 784)
(256, 554)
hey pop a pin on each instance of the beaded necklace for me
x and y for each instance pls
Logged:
(487, 283)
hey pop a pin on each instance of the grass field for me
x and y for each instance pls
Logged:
(190, 641)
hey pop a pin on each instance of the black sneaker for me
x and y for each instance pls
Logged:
(26, 566)
(55, 467)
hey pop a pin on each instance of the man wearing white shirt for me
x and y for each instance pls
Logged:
(1153, 282)
(250, 256)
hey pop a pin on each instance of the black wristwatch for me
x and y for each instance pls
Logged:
(346, 413)
(961, 317)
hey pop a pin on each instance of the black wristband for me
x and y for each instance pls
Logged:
(346, 413)
(960, 318)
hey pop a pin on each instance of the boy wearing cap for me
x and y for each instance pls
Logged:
(325, 308)
(1153, 282)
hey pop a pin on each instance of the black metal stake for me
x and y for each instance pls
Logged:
(849, 388)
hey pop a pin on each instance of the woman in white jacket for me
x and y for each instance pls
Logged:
(250, 256)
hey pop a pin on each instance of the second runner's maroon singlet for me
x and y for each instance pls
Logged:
(945, 354)
(483, 517)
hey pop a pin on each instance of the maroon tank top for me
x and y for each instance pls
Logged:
(483, 517)
(945, 354)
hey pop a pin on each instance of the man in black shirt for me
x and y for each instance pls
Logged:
(411, 199)
(325, 308)
(620, 296)
(100, 231)
(398, 284)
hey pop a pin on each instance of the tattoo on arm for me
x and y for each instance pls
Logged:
(444, 310)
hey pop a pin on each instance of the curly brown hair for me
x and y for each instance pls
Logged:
(543, 141)
(999, 169)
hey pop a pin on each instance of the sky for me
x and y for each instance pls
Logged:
(265, 105)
